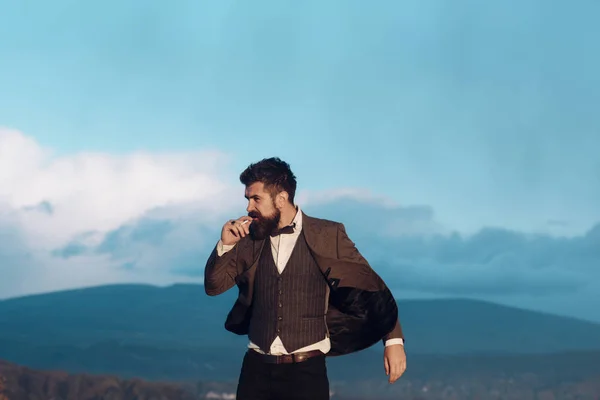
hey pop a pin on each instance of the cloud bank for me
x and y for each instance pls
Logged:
(48, 203)
(90, 218)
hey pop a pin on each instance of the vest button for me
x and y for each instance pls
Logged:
(280, 305)
(280, 318)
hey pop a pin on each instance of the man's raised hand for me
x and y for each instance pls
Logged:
(235, 229)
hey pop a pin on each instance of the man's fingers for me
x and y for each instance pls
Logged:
(386, 365)
(244, 224)
(394, 375)
(241, 230)
(238, 229)
(396, 372)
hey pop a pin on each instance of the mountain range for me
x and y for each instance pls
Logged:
(177, 332)
(182, 315)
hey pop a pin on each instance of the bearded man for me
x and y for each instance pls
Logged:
(305, 292)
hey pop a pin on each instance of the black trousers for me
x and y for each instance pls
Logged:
(306, 380)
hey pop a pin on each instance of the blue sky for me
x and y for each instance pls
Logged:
(476, 119)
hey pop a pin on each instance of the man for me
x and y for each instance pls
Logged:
(305, 292)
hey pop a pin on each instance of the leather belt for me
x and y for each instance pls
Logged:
(287, 358)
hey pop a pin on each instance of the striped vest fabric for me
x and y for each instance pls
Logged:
(291, 305)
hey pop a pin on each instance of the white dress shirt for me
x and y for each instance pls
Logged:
(281, 247)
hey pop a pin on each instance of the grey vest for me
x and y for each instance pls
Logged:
(291, 305)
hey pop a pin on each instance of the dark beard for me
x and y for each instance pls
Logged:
(263, 227)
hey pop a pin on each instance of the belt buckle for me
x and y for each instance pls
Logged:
(283, 359)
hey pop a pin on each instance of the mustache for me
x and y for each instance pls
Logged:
(254, 215)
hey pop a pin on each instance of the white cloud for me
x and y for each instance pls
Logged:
(48, 200)
(100, 192)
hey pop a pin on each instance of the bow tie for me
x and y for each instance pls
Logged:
(284, 231)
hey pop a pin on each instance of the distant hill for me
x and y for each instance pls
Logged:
(182, 316)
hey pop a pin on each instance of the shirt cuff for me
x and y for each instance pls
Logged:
(390, 342)
(222, 248)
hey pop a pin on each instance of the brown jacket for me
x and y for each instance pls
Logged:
(362, 310)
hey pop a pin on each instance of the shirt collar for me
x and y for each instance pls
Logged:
(298, 219)
(296, 225)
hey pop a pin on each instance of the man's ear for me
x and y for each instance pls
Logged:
(282, 198)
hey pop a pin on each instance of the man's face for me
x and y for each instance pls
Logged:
(261, 208)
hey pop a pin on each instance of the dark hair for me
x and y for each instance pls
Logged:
(274, 173)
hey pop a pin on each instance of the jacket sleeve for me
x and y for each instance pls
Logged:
(395, 334)
(221, 270)
(347, 249)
